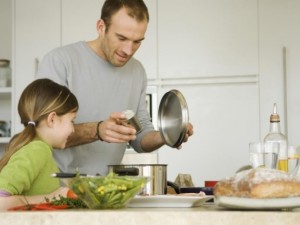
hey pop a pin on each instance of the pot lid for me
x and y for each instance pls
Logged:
(173, 118)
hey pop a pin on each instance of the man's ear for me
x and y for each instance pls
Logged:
(51, 119)
(101, 26)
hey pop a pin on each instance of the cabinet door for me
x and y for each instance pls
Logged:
(79, 24)
(5, 53)
(225, 118)
(37, 31)
(207, 38)
(6, 29)
(79, 20)
(279, 61)
(147, 53)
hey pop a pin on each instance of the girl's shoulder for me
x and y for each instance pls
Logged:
(37, 143)
(37, 153)
(35, 148)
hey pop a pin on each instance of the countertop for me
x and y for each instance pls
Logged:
(207, 214)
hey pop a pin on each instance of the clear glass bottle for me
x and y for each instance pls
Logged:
(275, 135)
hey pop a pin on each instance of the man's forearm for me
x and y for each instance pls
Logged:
(84, 133)
(152, 141)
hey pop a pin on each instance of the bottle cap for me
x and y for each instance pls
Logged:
(274, 116)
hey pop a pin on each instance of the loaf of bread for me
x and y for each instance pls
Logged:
(259, 183)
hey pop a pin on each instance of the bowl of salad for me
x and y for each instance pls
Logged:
(107, 192)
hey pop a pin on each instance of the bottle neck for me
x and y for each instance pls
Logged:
(275, 127)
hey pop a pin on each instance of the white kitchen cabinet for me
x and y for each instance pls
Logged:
(279, 30)
(5, 113)
(6, 91)
(5, 29)
(79, 20)
(79, 24)
(207, 38)
(147, 53)
(225, 118)
(37, 31)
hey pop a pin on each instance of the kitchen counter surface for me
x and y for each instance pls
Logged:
(207, 214)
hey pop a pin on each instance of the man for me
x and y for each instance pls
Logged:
(106, 80)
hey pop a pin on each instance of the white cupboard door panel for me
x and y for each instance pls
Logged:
(225, 119)
(79, 24)
(79, 19)
(37, 31)
(147, 53)
(5, 107)
(5, 53)
(201, 38)
(6, 29)
(279, 28)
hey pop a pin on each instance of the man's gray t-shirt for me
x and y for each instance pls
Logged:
(101, 89)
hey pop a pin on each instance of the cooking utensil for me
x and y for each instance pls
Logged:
(206, 190)
(66, 175)
(131, 171)
(173, 118)
(157, 184)
(181, 190)
(132, 120)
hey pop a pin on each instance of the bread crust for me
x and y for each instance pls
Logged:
(259, 183)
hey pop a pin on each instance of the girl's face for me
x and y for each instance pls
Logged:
(63, 128)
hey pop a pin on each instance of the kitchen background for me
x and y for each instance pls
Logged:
(232, 59)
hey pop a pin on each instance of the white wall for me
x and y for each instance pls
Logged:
(5, 29)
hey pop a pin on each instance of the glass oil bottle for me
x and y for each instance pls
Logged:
(275, 135)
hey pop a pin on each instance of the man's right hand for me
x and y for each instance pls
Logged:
(112, 129)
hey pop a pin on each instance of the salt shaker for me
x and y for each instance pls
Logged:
(132, 120)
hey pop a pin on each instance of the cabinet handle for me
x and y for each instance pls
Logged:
(36, 66)
(285, 89)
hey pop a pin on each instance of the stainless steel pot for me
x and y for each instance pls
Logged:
(156, 172)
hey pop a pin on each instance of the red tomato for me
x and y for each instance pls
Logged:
(71, 194)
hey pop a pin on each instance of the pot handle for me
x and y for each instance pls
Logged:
(132, 171)
(174, 186)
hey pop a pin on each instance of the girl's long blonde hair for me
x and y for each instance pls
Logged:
(38, 99)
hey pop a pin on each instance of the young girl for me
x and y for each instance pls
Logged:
(47, 110)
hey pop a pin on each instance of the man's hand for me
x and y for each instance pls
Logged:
(189, 133)
(112, 129)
